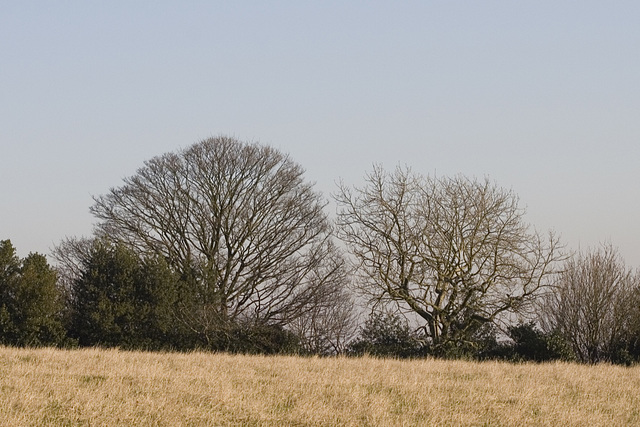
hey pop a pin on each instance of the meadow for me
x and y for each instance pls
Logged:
(112, 387)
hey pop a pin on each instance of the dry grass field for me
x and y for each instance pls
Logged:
(111, 387)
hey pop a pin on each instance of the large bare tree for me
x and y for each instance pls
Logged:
(239, 222)
(595, 304)
(454, 251)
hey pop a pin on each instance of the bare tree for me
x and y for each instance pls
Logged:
(328, 328)
(239, 222)
(594, 305)
(71, 255)
(454, 251)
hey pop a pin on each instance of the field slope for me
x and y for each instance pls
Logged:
(111, 387)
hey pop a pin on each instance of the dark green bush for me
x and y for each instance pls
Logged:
(387, 335)
(529, 343)
(31, 303)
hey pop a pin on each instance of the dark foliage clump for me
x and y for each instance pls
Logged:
(32, 306)
(388, 335)
(532, 344)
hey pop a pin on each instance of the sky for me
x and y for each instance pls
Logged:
(542, 97)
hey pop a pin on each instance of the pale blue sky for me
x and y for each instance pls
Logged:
(541, 96)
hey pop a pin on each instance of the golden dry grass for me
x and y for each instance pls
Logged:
(110, 387)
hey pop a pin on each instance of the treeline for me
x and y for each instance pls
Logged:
(120, 299)
(224, 246)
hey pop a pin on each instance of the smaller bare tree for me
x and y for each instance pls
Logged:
(593, 305)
